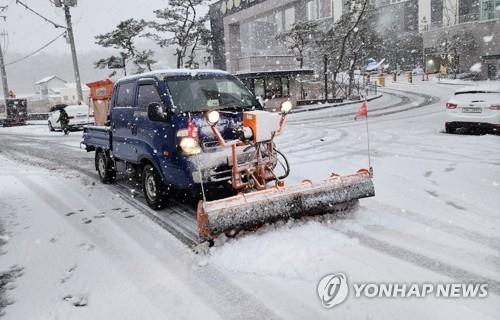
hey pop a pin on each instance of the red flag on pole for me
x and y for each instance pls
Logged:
(363, 111)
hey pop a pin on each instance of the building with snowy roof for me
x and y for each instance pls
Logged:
(53, 90)
(49, 86)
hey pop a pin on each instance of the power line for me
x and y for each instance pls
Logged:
(38, 14)
(36, 51)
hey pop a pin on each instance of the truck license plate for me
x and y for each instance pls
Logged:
(471, 110)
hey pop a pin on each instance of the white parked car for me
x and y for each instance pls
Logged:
(474, 107)
(78, 115)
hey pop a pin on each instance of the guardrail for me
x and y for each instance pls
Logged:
(38, 116)
(317, 101)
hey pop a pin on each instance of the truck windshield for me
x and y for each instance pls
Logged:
(209, 92)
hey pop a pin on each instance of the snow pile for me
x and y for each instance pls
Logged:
(476, 67)
(294, 251)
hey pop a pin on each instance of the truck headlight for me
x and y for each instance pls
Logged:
(189, 146)
(213, 117)
(286, 106)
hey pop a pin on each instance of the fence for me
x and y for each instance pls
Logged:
(355, 89)
(38, 116)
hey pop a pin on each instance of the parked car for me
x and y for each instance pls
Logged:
(474, 107)
(79, 116)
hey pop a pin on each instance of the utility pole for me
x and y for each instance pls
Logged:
(2, 63)
(71, 38)
(4, 75)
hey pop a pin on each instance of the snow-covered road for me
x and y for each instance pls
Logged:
(435, 219)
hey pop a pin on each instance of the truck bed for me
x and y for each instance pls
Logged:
(97, 137)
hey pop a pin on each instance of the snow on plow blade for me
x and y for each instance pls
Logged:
(250, 210)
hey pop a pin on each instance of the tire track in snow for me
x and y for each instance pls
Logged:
(226, 299)
(474, 236)
(171, 226)
(422, 260)
(230, 293)
(350, 150)
(299, 119)
(316, 146)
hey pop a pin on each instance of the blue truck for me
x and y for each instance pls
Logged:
(204, 130)
(157, 125)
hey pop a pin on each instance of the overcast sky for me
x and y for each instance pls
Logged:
(28, 32)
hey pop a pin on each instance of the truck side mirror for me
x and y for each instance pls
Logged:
(262, 102)
(155, 112)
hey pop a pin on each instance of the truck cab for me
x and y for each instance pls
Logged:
(159, 125)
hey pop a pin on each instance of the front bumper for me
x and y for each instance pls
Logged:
(214, 166)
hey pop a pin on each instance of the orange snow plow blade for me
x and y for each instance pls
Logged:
(251, 210)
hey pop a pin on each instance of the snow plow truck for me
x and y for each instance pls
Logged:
(204, 130)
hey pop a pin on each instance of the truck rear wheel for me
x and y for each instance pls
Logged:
(155, 190)
(105, 167)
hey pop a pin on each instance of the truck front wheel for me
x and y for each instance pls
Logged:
(155, 190)
(105, 167)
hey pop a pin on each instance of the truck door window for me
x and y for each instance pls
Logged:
(125, 96)
(147, 95)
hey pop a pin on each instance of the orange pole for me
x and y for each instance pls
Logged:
(219, 137)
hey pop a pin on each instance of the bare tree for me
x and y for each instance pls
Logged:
(364, 42)
(400, 48)
(298, 39)
(454, 44)
(335, 40)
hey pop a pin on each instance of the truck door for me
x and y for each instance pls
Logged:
(147, 93)
(123, 123)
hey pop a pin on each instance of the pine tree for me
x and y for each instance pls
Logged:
(123, 38)
(181, 26)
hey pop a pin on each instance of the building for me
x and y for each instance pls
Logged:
(49, 87)
(475, 24)
(245, 42)
(69, 94)
(401, 15)
(53, 90)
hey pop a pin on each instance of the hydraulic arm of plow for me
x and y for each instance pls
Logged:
(258, 201)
